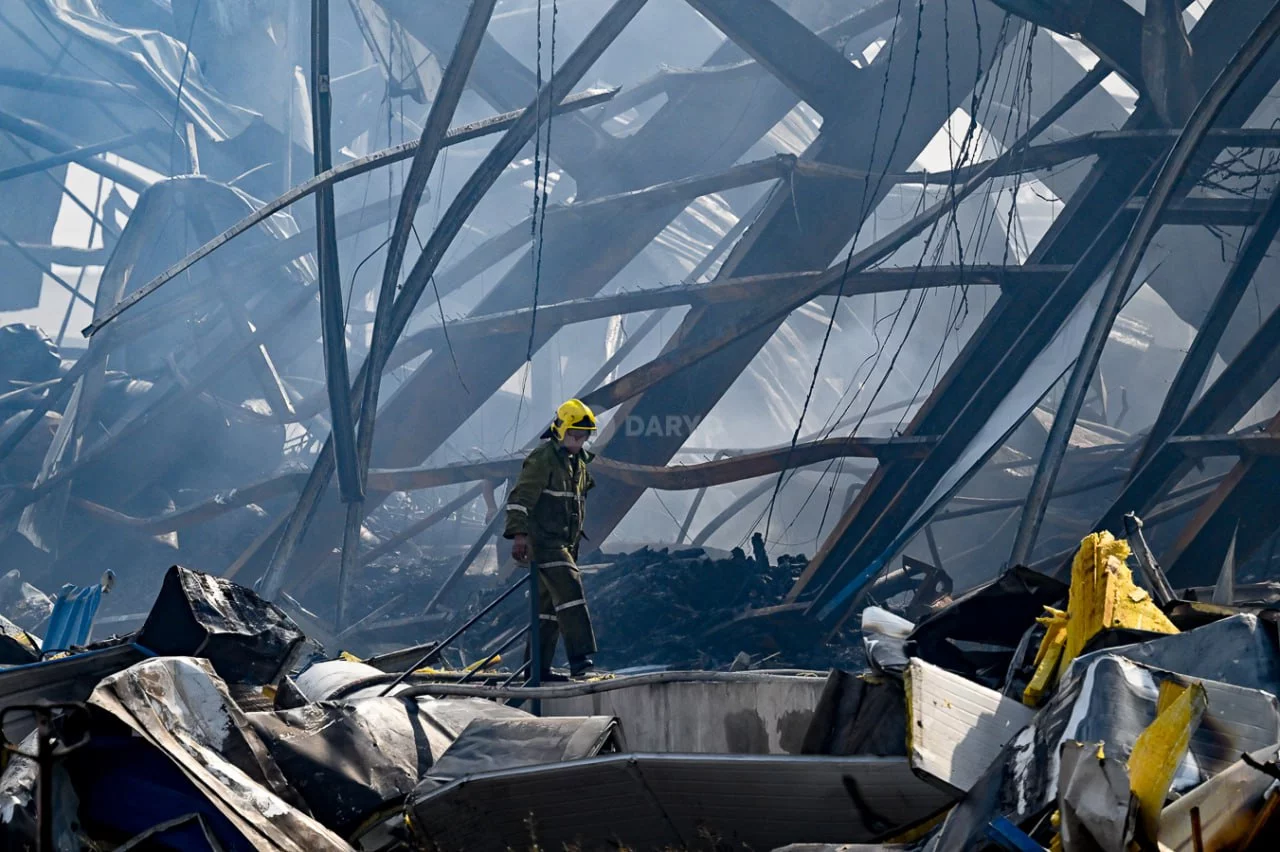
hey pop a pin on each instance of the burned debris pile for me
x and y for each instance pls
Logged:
(1027, 713)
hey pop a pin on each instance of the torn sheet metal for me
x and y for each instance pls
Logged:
(156, 55)
(1240, 650)
(976, 634)
(181, 707)
(66, 679)
(349, 760)
(247, 639)
(957, 727)
(858, 715)
(74, 609)
(1232, 806)
(652, 801)
(16, 646)
(1113, 700)
(1096, 810)
(492, 745)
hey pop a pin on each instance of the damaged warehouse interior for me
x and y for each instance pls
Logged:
(929, 358)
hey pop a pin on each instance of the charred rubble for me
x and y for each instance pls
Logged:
(935, 351)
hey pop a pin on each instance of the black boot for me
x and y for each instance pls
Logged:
(581, 667)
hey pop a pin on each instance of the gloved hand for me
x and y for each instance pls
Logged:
(520, 548)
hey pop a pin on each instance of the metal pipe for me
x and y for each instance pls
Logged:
(488, 661)
(455, 634)
(535, 636)
(1149, 220)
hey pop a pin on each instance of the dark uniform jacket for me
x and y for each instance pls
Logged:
(548, 501)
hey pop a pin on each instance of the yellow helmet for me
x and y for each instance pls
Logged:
(572, 414)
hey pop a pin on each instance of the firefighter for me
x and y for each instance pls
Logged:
(545, 512)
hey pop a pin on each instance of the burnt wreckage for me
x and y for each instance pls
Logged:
(935, 348)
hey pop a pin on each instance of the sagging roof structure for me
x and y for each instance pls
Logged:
(878, 82)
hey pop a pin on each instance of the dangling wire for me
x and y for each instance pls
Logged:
(182, 79)
(541, 184)
(541, 171)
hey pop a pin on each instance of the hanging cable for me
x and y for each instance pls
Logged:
(182, 79)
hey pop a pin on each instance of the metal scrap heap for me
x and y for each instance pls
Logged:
(1025, 714)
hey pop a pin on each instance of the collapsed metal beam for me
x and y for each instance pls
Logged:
(806, 64)
(334, 176)
(678, 478)
(1230, 396)
(332, 322)
(1196, 363)
(580, 261)
(734, 334)
(802, 285)
(443, 108)
(1010, 337)
(495, 162)
(1243, 501)
(1144, 230)
(55, 143)
(1110, 28)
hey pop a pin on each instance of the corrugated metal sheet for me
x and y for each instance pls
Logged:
(646, 801)
(71, 621)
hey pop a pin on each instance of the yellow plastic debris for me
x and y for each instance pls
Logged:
(1103, 595)
(1047, 657)
(1159, 750)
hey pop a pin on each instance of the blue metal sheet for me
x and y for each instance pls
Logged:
(71, 621)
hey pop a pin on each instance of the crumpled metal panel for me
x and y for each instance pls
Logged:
(488, 745)
(181, 707)
(158, 56)
(1113, 700)
(247, 639)
(1239, 650)
(652, 801)
(350, 760)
